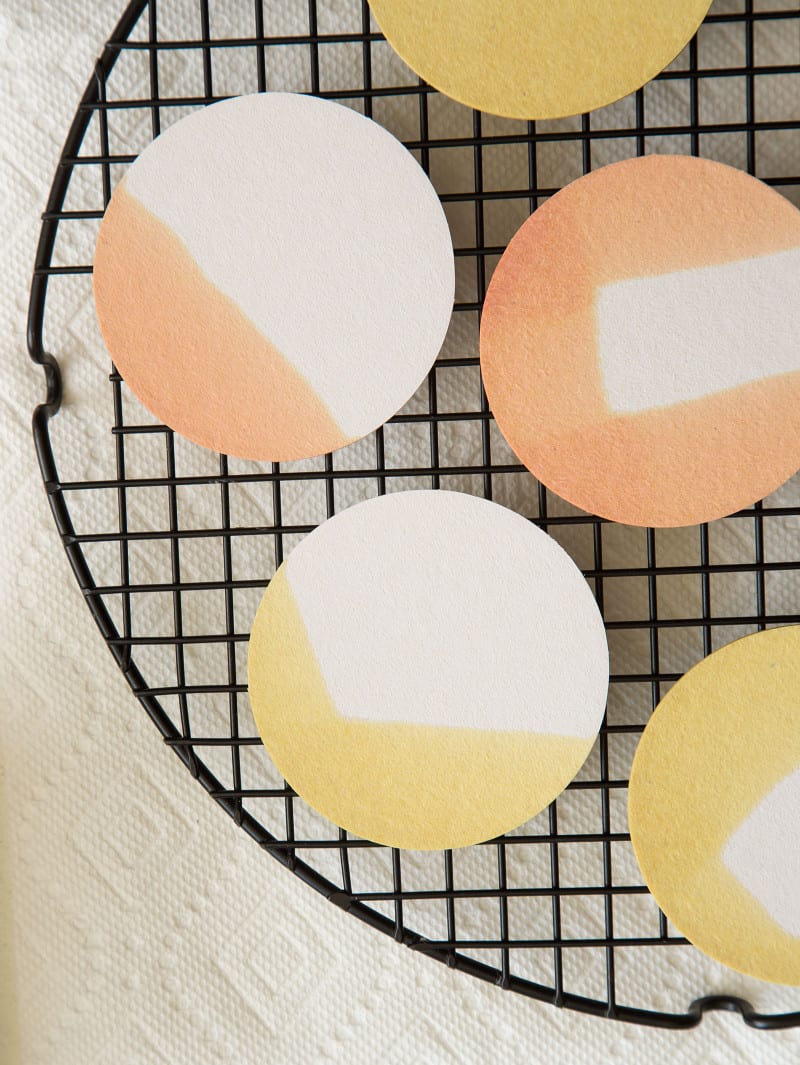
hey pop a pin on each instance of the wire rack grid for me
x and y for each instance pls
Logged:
(173, 546)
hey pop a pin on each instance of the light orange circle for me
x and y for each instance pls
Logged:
(274, 276)
(661, 278)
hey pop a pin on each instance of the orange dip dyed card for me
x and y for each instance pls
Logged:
(274, 276)
(639, 341)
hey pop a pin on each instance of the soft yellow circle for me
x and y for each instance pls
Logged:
(538, 58)
(719, 744)
(428, 669)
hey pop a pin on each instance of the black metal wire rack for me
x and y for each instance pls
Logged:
(172, 546)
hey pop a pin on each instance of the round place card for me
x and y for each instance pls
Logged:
(715, 805)
(639, 341)
(538, 58)
(428, 669)
(274, 276)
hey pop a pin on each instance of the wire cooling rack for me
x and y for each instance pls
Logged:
(172, 546)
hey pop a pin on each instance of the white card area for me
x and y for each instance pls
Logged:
(439, 608)
(764, 853)
(323, 230)
(685, 335)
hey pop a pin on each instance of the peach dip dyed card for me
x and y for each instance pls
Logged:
(428, 669)
(274, 276)
(639, 342)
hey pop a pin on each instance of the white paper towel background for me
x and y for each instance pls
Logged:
(143, 927)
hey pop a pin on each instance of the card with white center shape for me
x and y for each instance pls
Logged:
(639, 341)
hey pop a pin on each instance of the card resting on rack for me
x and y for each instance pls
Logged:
(538, 58)
(428, 669)
(639, 341)
(715, 805)
(274, 276)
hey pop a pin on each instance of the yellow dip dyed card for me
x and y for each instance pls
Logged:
(274, 276)
(428, 669)
(715, 805)
(639, 341)
(538, 58)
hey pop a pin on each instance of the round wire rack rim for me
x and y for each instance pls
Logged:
(94, 102)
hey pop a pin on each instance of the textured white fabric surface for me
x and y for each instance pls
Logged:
(137, 924)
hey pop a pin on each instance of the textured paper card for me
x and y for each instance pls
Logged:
(639, 341)
(274, 276)
(538, 58)
(428, 669)
(715, 805)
